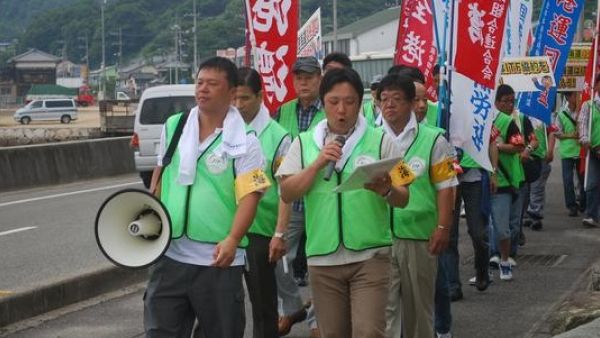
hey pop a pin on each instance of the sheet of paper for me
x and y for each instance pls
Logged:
(365, 173)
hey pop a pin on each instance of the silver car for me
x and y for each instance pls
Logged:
(63, 110)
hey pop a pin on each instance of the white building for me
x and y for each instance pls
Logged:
(375, 34)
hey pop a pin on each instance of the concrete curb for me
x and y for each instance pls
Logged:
(30, 303)
(571, 310)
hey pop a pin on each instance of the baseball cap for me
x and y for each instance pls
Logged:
(308, 64)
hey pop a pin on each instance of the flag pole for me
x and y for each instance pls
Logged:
(594, 68)
(446, 85)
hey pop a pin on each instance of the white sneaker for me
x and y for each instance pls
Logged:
(589, 222)
(512, 261)
(494, 261)
(444, 335)
(505, 271)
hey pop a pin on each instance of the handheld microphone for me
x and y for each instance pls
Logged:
(341, 140)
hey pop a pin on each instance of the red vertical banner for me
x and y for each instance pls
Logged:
(480, 31)
(273, 28)
(415, 45)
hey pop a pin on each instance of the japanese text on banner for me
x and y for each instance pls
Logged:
(480, 30)
(471, 118)
(274, 27)
(554, 36)
(415, 45)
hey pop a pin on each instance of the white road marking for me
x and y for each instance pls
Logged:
(68, 194)
(16, 230)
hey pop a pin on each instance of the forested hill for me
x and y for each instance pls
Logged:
(146, 27)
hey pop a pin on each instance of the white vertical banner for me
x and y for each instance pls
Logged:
(471, 118)
(309, 37)
(518, 28)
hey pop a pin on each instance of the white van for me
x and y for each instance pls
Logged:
(63, 110)
(156, 105)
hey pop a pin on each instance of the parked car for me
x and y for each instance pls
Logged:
(155, 107)
(63, 110)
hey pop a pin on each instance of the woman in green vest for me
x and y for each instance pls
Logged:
(266, 240)
(348, 234)
(588, 127)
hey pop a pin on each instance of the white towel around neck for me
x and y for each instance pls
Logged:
(233, 143)
(321, 130)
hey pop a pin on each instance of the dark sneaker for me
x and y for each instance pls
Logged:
(527, 222)
(537, 226)
(505, 271)
(455, 295)
(573, 212)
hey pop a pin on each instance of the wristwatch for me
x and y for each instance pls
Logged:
(281, 235)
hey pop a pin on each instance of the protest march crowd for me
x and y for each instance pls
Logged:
(255, 193)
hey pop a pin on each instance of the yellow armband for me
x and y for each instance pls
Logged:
(250, 182)
(442, 171)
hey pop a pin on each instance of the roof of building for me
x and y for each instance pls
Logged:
(367, 23)
(34, 55)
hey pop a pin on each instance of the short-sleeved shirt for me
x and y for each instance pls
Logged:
(442, 150)
(188, 251)
(292, 164)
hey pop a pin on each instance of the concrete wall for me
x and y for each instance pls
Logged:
(22, 136)
(35, 165)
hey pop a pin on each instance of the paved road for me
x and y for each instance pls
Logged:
(47, 233)
(549, 266)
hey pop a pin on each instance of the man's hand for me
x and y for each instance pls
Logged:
(332, 152)
(380, 185)
(549, 156)
(224, 252)
(276, 249)
(493, 183)
(439, 241)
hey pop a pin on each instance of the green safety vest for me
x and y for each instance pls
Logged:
(419, 218)
(509, 164)
(594, 132)
(288, 118)
(432, 113)
(468, 162)
(369, 112)
(202, 211)
(357, 219)
(265, 220)
(540, 134)
(568, 148)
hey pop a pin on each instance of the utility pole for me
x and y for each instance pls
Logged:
(103, 65)
(177, 30)
(335, 36)
(120, 45)
(195, 67)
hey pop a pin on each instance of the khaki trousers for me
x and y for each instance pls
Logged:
(412, 290)
(350, 299)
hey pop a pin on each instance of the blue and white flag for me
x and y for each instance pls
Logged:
(554, 36)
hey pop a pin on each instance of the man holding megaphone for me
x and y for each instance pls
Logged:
(211, 187)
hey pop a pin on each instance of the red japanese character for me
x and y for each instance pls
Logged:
(567, 5)
(559, 28)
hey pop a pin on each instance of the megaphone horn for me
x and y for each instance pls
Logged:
(133, 228)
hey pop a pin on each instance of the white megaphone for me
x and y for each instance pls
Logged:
(133, 228)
